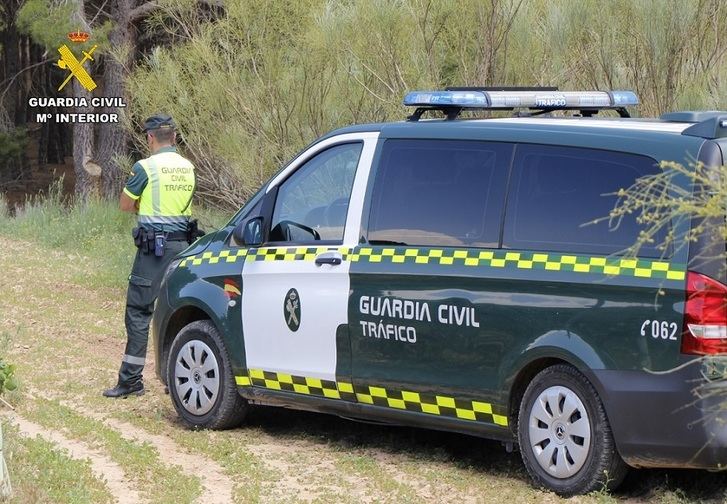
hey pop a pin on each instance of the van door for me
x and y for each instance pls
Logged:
(424, 329)
(296, 286)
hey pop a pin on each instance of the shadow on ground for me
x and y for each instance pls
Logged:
(467, 452)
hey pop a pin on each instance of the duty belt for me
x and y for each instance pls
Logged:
(177, 236)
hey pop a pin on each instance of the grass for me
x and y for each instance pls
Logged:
(97, 230)
(39, 472)
(139, 460)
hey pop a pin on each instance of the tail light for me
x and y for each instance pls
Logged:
(705, 316)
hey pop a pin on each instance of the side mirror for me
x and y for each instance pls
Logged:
(249, 233)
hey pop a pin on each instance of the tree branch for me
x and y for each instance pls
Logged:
(142, 11)
(12, 79)
(147, 8)
(100, 10)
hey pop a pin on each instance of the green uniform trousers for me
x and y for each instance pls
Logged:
(144, 283)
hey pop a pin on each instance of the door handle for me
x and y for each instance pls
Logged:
(333, 258)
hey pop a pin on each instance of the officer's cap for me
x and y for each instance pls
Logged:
(159, 121)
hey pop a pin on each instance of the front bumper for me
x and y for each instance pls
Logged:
(675, 419)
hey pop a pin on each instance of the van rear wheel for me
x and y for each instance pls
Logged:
(565, 439)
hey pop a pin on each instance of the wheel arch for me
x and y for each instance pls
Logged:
(521, 382)
(539, 360)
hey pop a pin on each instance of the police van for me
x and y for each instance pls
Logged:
(439, 273)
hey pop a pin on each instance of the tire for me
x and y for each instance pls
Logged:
(565, 439)
(203, 391)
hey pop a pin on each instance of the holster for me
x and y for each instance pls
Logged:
(144, 240)
(193, 231)
(136, 234)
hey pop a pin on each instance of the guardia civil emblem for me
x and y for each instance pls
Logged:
(291, 310)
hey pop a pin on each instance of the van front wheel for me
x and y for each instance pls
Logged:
(200, 379)
(564, 435)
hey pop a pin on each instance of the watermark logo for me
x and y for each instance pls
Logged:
(69, 61)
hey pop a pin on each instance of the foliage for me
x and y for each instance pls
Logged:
(96, 229)
(253, 84)
(50, 22)
(12, 144)
(4, 210)
(679, 192)
(7, 377)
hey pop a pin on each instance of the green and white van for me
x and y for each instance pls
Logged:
(438, 273)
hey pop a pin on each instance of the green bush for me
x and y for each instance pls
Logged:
(658, 200)
(95, 230)
(253, 84)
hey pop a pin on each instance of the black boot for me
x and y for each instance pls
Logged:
(125, 390)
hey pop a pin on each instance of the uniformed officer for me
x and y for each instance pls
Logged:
(160, 191)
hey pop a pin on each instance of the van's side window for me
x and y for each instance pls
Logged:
(312, 204)
(439, 193)
(556, 191)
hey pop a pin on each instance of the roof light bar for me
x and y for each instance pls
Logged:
(522, 99)
(469, 99)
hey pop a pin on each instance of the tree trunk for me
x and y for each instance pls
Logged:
(11, 50)
(113, 139)
(86, 179)
(87, 176)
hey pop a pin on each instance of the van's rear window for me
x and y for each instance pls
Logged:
(555, 192)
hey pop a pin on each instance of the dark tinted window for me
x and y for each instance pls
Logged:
(439, 193)
(556, 191)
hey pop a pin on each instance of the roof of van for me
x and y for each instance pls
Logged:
(661, 140)
(630, 124)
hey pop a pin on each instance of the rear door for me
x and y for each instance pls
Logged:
(296, 286)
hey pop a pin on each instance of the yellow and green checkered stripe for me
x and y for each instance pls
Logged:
(298, 384)
(262, 254)
(475, 258)
(432, 404)
(224, 256)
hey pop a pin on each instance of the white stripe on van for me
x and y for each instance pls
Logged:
(669, 127)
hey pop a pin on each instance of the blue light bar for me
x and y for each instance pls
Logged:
(475, 99)
(522, 99)
(624, 98)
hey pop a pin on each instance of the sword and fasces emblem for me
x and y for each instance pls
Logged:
(291, 310)
(69, 62)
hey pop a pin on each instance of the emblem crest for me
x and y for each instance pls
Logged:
(291, 309)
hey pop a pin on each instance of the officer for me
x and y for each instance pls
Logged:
(160, 192)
